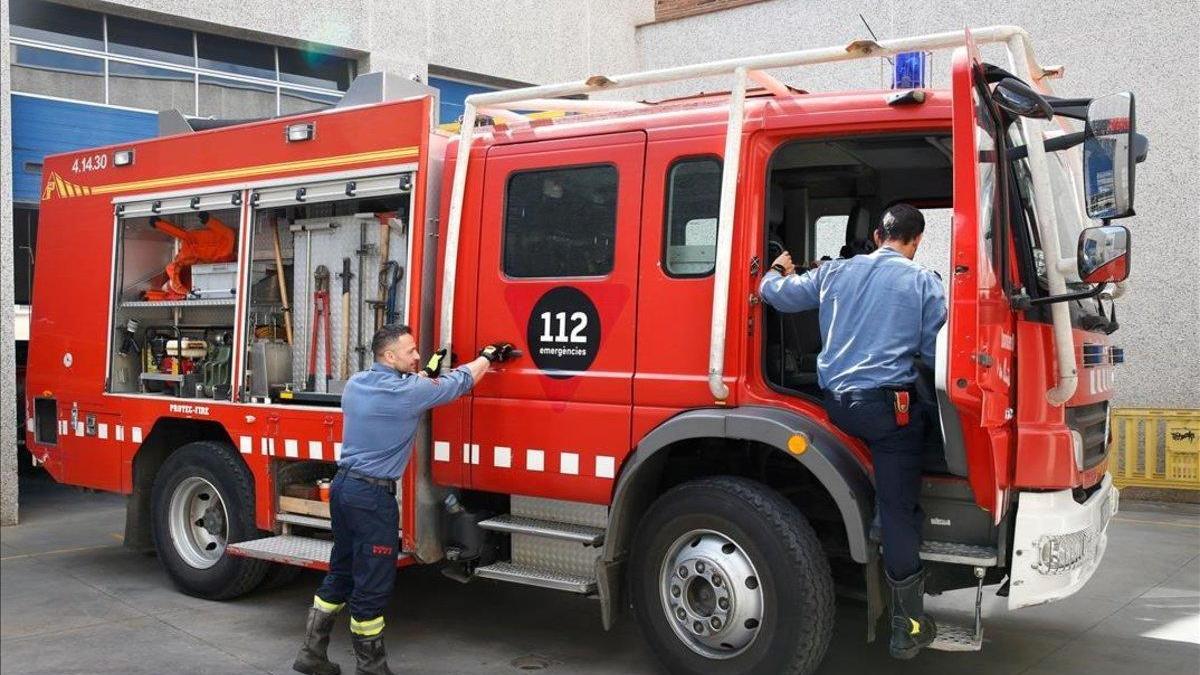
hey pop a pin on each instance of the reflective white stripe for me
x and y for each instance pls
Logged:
(62, 427)
(120, 432)
(316, 450)
(271, 446)
(102, 431)
(291, 447)
(246, 444)
(535, 460)
(502, 457)
(28, 424)
(137, 434)
(568, 463)
(262, 445)
(79, 428)
(606, 467)
(337, 451)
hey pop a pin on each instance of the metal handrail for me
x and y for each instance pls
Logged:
(1020, 53)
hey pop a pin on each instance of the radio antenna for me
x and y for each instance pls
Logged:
(873, 36)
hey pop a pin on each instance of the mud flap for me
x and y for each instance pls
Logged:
(608, 587)
(877, 604)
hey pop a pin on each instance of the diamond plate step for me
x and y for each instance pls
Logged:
(533, 576)
(953, 638)
(959, 554)
(290, 549)
(306, 521)
(584, 534)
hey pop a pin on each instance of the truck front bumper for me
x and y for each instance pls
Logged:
(1058, 543)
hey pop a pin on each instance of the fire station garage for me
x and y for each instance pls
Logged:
(628, 492)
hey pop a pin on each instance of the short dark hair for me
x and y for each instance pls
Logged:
(902, 223)
(385, 336)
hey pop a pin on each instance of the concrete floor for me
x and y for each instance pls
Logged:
(72, 600)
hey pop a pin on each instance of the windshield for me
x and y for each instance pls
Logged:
(1066, 184)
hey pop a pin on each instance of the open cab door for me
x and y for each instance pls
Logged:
(977, 372)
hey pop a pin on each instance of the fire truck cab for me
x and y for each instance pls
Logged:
(660, 443)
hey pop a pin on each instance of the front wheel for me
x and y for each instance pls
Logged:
(203, 500)
(728, 577)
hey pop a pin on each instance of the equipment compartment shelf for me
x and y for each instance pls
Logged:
(199, 302)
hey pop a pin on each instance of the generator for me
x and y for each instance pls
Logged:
(178, 363)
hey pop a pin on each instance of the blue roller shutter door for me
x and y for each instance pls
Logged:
(43, 127)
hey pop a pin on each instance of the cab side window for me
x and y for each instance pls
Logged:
(693, 201)
(560, 222)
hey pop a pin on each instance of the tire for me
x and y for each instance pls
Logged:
(203, 499)
(742, 544)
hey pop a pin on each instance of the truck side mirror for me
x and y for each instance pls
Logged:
(1103, 254)
(1108, 157)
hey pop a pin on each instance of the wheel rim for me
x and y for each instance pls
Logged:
(711, 594)
(199, 522)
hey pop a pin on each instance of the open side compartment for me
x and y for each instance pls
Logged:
(174, 296)
(303, 524)
(328, 268)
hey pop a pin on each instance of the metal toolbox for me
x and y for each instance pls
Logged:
(214, 280)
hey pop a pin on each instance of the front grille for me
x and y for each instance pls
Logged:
(1091, 421)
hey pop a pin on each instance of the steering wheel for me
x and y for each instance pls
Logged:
(774, 250)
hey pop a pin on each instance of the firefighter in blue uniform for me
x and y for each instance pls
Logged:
(877, 313)
(381, 409)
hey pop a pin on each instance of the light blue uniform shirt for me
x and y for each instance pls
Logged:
(877, 313)
(381, 409)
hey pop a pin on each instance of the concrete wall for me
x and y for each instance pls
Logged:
(1106, 46)
(8, 387)
(527, 40)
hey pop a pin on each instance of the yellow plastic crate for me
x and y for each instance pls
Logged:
(1155, 448)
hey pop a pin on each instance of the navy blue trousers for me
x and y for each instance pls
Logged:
(366, 540)
(896, 452)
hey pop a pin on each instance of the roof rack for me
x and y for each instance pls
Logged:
(744, 69)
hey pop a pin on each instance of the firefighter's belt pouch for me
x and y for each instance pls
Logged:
(902, 404)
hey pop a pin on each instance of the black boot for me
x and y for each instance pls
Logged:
(912, 629)
(372, 657)
(313, 658)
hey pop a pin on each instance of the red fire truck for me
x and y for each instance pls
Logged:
(660, 444)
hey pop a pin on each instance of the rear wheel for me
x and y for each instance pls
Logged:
(203, 500)
(727, 577)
